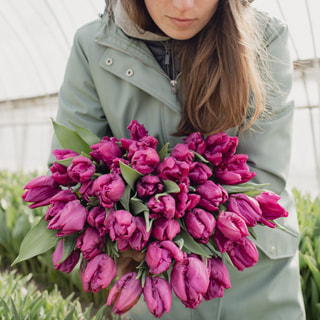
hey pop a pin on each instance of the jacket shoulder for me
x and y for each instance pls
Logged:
(270, 28)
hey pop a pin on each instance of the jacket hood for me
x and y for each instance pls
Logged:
(124, 22)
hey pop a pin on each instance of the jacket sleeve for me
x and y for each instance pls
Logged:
(268, 142)
(78, 98)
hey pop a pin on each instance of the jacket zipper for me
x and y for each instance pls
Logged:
(167, 57)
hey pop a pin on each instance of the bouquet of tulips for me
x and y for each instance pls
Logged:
(189, 210)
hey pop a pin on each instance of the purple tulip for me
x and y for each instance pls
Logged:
(270, 208)
(243, 254)
(86, 190)
(157, 295)
(96, 219)
(190, 281)
(109, 188)
(90, 243)
(132, 146)
(40, 190)
(159, 255)
(199, 172)
(219, 278)
(182, 200)
(62, 154)
(196, 143)
(233, 170)
(200, 224)
(222, 242)
(69, 263)
(58, 201)
(115, 165)
(232, 226)
(165, 206)
(81, 169)
(182, 152)
(139, 238)
(70, 219)
(173, 169)
(145, 160)
(120, 224)
(137, 130)
(98, 273)
(148, 186)
(59, 173)
(212, 195)
(165, 229)
(245, 207)
(107, 150)
(125, 293)
(220, 146)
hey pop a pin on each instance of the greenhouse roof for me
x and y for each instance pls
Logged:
(37, 36)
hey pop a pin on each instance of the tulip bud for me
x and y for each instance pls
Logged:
(98, 273)
(200, 224)
(233, 170)
(212, 195)
(173, 169)
(195, 142)
(243, 254)
(159, 255)
(109, 188)
(270, 208)
(69, 263)
(96, 219)
(145, 160)
(139, 238)
(120, 224)
(219, 278)
(70, 219)
(199, 172)
(81, 169)
(245, 207)
(165, 229)
(40, 190)
(190, 281)
(148, 186)
(232, 226)
(137, 130)
(125, 293)
(90, 243)
(157, 295)
(220, 146)
(164, 206)
(182, 152)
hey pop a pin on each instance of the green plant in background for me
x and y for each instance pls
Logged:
(21, 299)
(309, 222)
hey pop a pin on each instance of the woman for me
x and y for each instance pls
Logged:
(179, 66)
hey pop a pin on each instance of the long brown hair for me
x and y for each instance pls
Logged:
(220, 84)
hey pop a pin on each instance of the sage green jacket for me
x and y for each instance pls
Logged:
(111, 79)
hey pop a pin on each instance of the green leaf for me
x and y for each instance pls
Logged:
(148, 221)
(245, 187)
(65, 162)
(37, 241)
(314, 270)
(163, 152)
(129, 175)
(137, 206)
(70, 139)
(200, 157)
(170, 186)
(69, 244)
(191, 245)
(89, 137)
(126, 198)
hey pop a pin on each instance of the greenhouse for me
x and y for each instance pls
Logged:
(37, 37)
